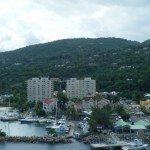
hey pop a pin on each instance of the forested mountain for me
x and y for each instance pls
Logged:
(116, 64)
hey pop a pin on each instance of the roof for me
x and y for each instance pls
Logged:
(141, 122)
(121, 123)
(137, 127)
(88, 98)
(139, 113)
(49, 100)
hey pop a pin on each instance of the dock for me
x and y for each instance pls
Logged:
(103, 145)
(71, 132)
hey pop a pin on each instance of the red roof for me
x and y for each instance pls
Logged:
(48, 100)
(55, 79)
(88, 98)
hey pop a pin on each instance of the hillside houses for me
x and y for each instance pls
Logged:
(87, 103)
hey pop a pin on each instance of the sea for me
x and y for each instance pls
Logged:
(16, 128)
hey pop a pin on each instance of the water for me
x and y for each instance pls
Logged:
(16, 128)
(26, 146)
(34, 129)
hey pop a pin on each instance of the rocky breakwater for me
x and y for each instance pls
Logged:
(35, 139)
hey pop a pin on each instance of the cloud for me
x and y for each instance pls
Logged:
(30, 22)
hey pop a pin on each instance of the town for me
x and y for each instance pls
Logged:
(79, 111)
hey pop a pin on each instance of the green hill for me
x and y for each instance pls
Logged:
(117, 64)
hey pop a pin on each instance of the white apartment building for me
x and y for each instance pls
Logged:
(80, 88)
(39, 89)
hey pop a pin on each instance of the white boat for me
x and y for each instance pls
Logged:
(44, 120)
(29, 119)
(60, 126)
(10, 116)
(137, 144)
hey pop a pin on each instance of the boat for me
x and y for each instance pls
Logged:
(58, 126)
(29, 119)
(45, 120)
(137, 144)
(9, 116)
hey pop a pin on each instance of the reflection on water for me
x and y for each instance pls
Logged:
(22, 146)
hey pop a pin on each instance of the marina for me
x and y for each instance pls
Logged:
(35, 132)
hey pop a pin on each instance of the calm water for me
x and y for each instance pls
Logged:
(23, 146)
(33, 129)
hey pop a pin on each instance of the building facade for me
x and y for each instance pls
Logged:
(39, 89)
(49, 104)
(80, 88)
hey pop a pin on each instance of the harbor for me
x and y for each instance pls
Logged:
(35, 132)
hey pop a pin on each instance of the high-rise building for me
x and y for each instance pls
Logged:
(80, 88)
(39, 89)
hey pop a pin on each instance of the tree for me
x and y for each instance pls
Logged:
(62, 100)
(121, 111)
(2, 133)
(39, 109)
(148, 127)
(100, 116)
(52, 132)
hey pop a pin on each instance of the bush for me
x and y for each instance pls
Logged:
(2, 133)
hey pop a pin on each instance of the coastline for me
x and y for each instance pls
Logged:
(104, 138)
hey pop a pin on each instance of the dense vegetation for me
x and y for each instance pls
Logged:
(116, 64)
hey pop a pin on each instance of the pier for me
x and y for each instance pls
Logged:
(71, 132)
(35, 139)
(107, 146)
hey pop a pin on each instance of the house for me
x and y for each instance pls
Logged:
(76, 105)
(146, 105)
(147, 95)
(49, 104)
(88, 103)
(103, 103)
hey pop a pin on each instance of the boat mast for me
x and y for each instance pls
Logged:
(56, 112)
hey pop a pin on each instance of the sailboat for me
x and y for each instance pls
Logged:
(60, 125)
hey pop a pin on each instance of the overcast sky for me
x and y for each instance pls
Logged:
(28, 22)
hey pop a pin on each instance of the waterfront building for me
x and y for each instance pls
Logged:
(80, 88)
(39, 89)
(49, 104)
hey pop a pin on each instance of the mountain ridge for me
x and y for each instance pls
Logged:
(111, 61)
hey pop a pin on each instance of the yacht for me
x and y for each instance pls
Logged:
(44, 120)
(29, 119)
(137, 144)
(59, 126)
(10, 116)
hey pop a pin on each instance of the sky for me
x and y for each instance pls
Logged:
(29, 22)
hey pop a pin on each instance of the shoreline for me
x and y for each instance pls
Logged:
(101, 138)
